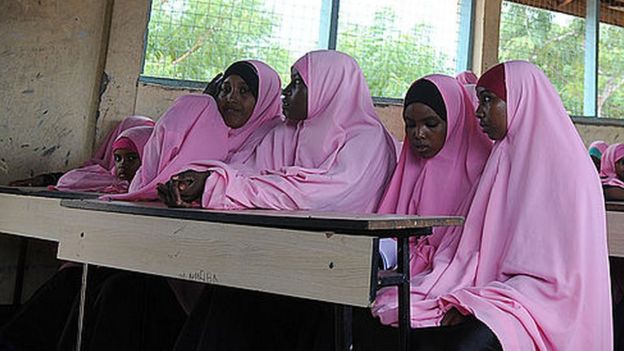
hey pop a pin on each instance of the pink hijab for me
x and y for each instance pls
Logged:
(95, 178)
(614, 153)
(469, 80)
(442, 184)
(193, 129)
(104, 154)
(599, 145)
(531, 261)
(339, 158)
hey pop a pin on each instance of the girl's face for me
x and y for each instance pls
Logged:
(235, 101)
(492, 114)
(127, 162)
(619, 169)
(425, 130)
(596, 162)
(295, 98)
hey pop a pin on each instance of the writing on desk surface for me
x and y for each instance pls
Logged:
(200, 276)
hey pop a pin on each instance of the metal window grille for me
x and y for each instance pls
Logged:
(610, 95)
(552, 40)
(196, 39)
(399, 41)
(395, 41)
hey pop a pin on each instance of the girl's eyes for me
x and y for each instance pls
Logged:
(432, 124)
(117, 158)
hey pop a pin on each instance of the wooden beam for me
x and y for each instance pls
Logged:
(486, 34)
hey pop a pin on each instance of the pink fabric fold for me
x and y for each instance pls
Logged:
(469, 80)
(531, 260)
(193, 129)
(443, 184)
(96, 178)
(338, 159)
(467, 77)
(104, 154)
(608, 176)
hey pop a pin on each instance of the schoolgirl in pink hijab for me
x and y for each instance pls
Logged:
(197, 127)
(340, 158)
(442, 183)
(596, 149)
(126, 152)
(531, 259)
(612, 172)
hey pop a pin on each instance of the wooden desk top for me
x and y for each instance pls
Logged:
(617, 206)
(363, 224)
(44, 192)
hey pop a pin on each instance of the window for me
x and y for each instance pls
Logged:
(560, 37)
(196, 39)
(395, 41)
(398, 41)
(553, 41)
(611, 72)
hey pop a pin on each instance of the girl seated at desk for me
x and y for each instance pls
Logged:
(612, 172)
(530, 262)
(442, 159)
(596, 149)
(40, 322)
(228, 127)
(100, 165)
(127, 152)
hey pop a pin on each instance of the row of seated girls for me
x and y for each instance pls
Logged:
(528, 270)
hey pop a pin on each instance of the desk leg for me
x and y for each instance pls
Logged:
(81, 310)
(20, 272)
(343, 328)
(404, 293)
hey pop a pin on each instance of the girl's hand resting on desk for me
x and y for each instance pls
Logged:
(183, 189)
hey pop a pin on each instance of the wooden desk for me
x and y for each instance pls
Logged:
(35, 212)
(615, 228)
(329, 257)
(31, 212)
(324, 256)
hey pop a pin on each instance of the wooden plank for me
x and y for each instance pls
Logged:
(615, 206)
(315, 265)
(44, 192)
(615, 231)
(31, 216)
(486, 24)
(368, 224)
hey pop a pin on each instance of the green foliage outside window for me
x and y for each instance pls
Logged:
(557, 47)
(202, 38)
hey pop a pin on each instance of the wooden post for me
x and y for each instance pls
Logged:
(486, 34)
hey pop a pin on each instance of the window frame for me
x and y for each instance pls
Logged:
(330, 10)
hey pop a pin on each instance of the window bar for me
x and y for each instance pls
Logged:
(592, 32)
(149, 17)
(333, 24)
(466, 36)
